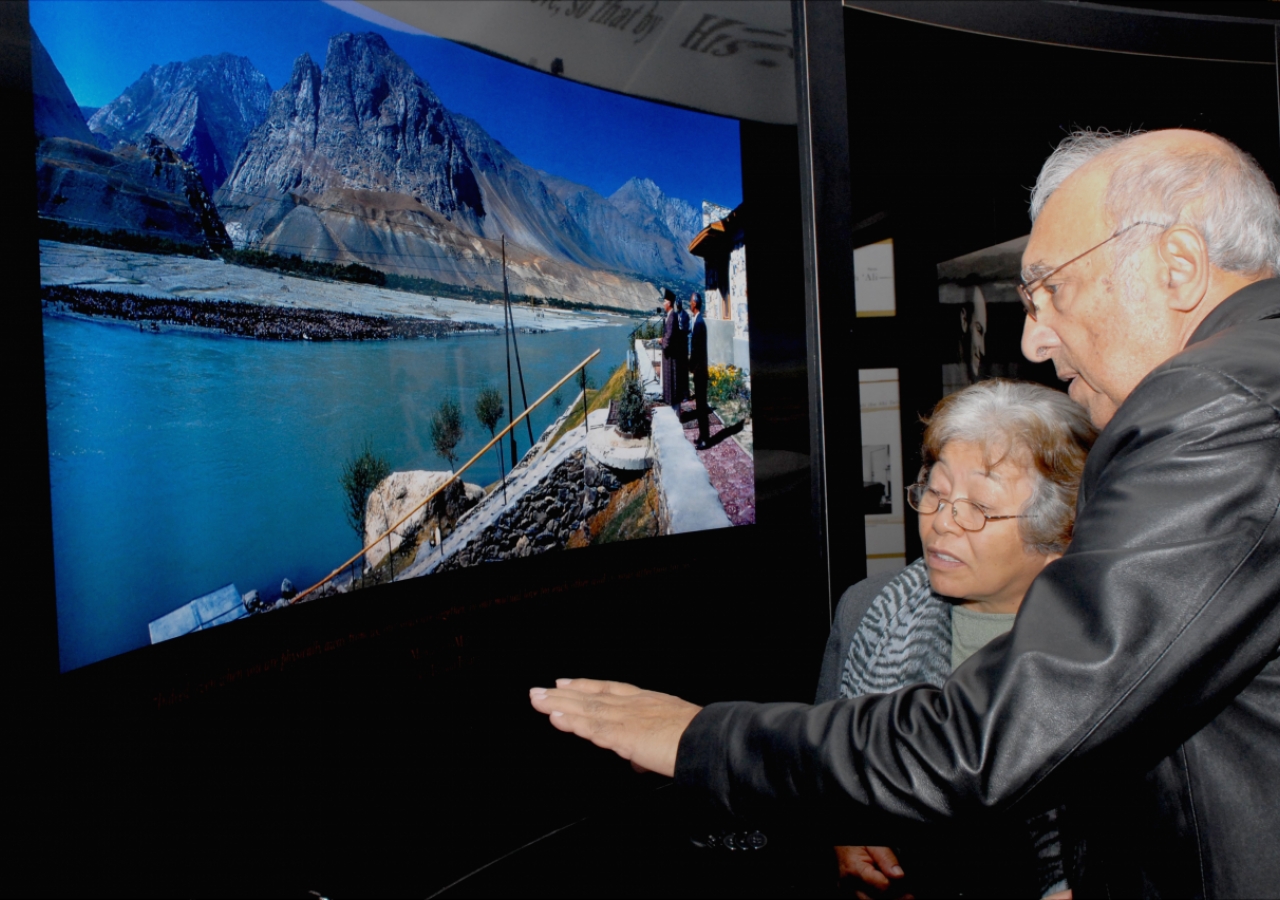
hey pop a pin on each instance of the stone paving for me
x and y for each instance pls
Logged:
(731, 469)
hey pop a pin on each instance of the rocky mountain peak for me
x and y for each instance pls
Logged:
(299, 100)
(643, 198)
(346, 155)
(366, 122)
(204, 108)
(642, 189)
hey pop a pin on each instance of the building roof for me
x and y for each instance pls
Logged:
(711, 238)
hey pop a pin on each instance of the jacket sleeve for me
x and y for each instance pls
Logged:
(1163, 609)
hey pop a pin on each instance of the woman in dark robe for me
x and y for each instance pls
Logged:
(673, 342)
(682, 354)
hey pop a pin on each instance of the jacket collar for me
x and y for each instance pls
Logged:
(1260, 300)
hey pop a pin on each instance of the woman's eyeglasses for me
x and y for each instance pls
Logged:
(967, 514)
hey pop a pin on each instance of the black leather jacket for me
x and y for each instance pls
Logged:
(1140, 685)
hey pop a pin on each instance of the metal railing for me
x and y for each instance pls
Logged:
(453, 477)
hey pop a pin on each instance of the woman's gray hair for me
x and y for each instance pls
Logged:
(1222, 193)
(1033, 426)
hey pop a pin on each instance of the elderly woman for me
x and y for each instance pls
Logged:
(996, 495)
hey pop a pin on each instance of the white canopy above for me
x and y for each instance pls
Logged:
(729, 57)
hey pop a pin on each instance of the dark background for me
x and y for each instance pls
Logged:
(947, 133)
(267, 758)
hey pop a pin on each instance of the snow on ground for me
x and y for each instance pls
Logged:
(212, 279)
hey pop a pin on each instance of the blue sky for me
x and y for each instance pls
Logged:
(586, 135)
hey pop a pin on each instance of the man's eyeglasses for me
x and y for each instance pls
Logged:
(1026, 290)
(967, 514)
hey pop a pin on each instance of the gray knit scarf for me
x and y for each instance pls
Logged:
(904, 638)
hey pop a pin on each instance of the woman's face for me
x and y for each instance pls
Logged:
(991, 568)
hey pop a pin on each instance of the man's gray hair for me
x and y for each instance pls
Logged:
(1222, 193)
(1032, 426)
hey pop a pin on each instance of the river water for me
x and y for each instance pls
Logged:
(180, 462)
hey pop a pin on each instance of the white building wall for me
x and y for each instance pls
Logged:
(738, 305)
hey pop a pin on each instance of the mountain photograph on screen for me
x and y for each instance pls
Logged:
(329, 302)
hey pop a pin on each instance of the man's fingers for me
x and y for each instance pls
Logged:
(595, 686)
(556, 701)
(602, 706)
(637, 725)
(886, 860)
(856, 862)
(871, 875)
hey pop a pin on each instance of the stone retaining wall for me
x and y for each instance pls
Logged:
(545, 518)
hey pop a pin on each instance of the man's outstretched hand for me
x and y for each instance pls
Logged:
(641, 726)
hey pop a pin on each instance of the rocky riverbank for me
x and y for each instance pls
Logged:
(264, 323)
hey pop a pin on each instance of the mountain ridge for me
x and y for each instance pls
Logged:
(204, 108)
(144, 189)
(360, 161)
(367, 125)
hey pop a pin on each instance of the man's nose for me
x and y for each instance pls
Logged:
(1037, 340)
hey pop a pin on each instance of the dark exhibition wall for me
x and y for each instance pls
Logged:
(385, 746)
(948, 128)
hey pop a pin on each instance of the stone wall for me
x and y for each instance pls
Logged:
(738, 301)
(545, 518)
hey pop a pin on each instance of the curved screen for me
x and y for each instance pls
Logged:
(328, 305)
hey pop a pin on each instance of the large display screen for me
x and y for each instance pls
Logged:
(301, 265)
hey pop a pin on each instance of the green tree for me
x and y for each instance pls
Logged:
(633, 411)
(360, 475)
(447, 429)
(489, 410)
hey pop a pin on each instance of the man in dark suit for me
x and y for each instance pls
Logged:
(673, 349)
(698, 368)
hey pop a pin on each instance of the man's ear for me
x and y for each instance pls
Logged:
(1184, 256)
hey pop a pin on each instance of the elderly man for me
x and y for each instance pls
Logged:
(1141, 683)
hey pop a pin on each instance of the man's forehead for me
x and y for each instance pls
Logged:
(1071, 219)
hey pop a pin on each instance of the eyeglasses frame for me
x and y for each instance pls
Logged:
(1027, 289)
(952, 503)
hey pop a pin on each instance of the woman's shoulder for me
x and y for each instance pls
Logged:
(893, 589)
(857, 598)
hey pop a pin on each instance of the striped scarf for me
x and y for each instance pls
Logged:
(904, 638)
